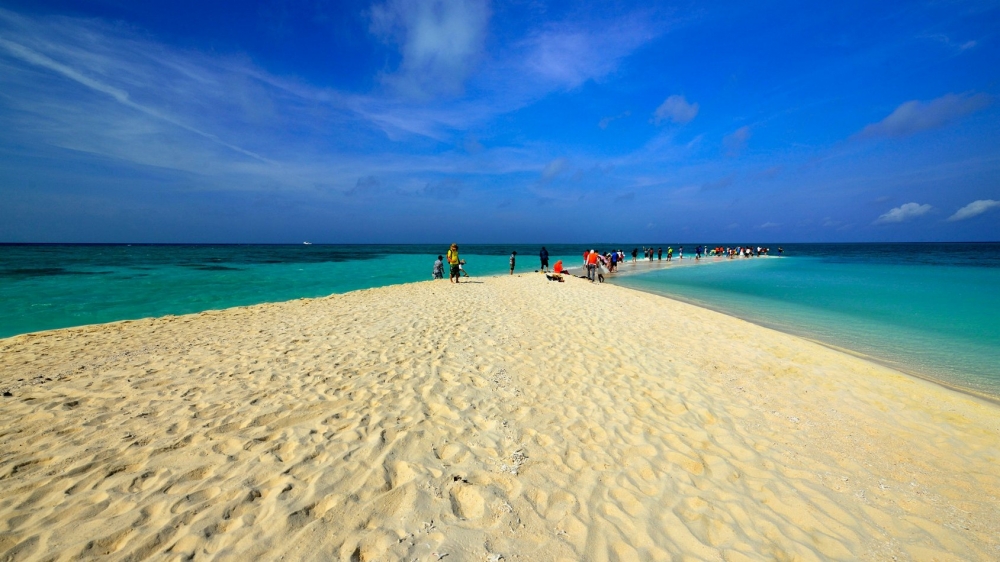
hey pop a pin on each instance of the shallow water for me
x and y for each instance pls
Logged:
(930, 309)
(43, 287)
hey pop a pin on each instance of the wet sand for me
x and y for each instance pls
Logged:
(510, 418)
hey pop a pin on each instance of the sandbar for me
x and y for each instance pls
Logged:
(508, 418)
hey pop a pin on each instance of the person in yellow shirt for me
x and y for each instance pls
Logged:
(453, 262)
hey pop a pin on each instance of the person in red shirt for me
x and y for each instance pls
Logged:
(592, 266)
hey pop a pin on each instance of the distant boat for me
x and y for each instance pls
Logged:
(308, 243)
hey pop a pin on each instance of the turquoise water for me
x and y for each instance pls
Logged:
(933, 315)
(43, 287)
(933, 309)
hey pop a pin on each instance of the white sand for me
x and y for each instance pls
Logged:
(511, 418)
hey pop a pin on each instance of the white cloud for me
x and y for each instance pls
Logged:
(439, 40)
(108, 91)
(675, 109)
(557, 56)
(553, 169)
(565, 55)
(769, 225)
(915, 116)
(973, 209)
(903, 213)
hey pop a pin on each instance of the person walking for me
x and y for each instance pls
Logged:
(544, 257)
(513, 258)
(453, 260)
(438, 272)
(592, 265)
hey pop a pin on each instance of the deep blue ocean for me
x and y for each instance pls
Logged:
(931, 309)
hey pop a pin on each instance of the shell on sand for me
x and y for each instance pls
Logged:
(508, 418)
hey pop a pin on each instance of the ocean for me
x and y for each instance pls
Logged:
(930, 309)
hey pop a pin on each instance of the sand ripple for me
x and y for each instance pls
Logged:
(510, 419)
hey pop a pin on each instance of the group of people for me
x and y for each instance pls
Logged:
(649, 253)
(742, 252)
(595, 262)
(457, 269)
(703, 251)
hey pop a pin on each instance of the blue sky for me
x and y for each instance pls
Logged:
(478, 121)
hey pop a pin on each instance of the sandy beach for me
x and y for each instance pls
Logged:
(509, 418)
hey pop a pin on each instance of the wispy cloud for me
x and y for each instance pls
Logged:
(675, 109)
(603, 123)
(769, 225)
(736, 141)
(974, 209)
(107, 90)
(958, 46)
(915, 116)
(903, 213)
(553, 169)
(439, 41)
(121, 96)
(565, 55)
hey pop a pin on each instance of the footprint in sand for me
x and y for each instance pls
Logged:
(467, 502)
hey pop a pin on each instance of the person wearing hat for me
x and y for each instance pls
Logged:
(453, 262)
(592, 266)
